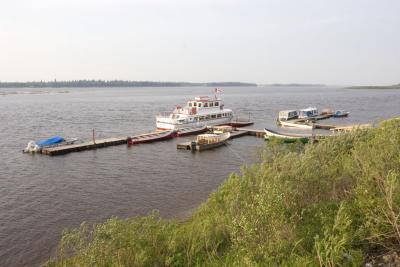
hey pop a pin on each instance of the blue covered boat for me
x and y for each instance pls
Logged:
(51, 141)
(341, 113)
(33, 146)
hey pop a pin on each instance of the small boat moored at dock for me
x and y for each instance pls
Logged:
(222, 129)
(205, 142)
(150, 137)
(292, 137)
(340, 114)
(240, 123)
(36, 147)
(296, 125)
(308, 113)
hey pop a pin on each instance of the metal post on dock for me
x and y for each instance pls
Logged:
(94, 140)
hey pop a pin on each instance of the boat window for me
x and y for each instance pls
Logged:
(201, 118)
(216, 104)
(211, 104)
(190, 104)
(194, 104)
(206, 105)
(208, 117)
(213, 116)
(195, 118)
(218, 115)
(199, 105)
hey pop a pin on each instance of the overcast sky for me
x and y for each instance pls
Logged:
(262, 41)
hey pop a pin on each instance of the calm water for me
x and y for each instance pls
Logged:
(40, 195)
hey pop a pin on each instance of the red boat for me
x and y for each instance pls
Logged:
(240, 123)
(191, 131)
(151, 137)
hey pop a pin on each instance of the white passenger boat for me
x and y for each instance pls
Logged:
(202, 111)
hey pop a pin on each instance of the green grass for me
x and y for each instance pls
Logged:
(333, 203)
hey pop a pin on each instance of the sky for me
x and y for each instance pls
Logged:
(343, 42)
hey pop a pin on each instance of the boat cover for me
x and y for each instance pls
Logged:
(51, 141)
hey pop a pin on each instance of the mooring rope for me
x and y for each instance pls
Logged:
(236, 154)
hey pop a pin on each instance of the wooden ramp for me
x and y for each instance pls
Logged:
(349, 128)
(254, 132)
(238, 133)
(60, 150)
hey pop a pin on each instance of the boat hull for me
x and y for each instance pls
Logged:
(271, 133)
(295, 125)
(210, 146)
(152, 137)
(240, 123)
(342, 115)
(171, 126)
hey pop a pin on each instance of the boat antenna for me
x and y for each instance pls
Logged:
(216, 91)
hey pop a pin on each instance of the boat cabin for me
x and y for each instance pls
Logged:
(288, 115)
(209, 138)
(308, 112)
(204, 102)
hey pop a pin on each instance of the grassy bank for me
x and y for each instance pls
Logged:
(333, 203)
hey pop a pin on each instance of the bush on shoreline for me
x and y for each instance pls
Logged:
(332, 203)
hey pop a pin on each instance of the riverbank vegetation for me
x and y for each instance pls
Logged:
(332, 203)
(113, 83)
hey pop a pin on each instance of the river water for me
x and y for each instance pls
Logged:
(41, 195)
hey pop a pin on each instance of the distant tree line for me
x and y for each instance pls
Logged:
(113, 83)
(395, 86)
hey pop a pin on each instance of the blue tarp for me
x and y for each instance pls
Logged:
(51, 141)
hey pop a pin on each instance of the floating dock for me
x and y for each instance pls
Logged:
(61, 150)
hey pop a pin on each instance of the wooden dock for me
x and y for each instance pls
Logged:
(100, 143)
(349, 128)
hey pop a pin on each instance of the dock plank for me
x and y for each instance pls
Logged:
(100, 143)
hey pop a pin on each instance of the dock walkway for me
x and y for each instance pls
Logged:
(60, 150)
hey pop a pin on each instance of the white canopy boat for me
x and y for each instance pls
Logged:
(296, 125)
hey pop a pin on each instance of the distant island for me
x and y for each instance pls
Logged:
(114, 83)
(395, 86)
(295, 84)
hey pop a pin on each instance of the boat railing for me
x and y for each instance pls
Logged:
(239, 118)
(163, 115)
